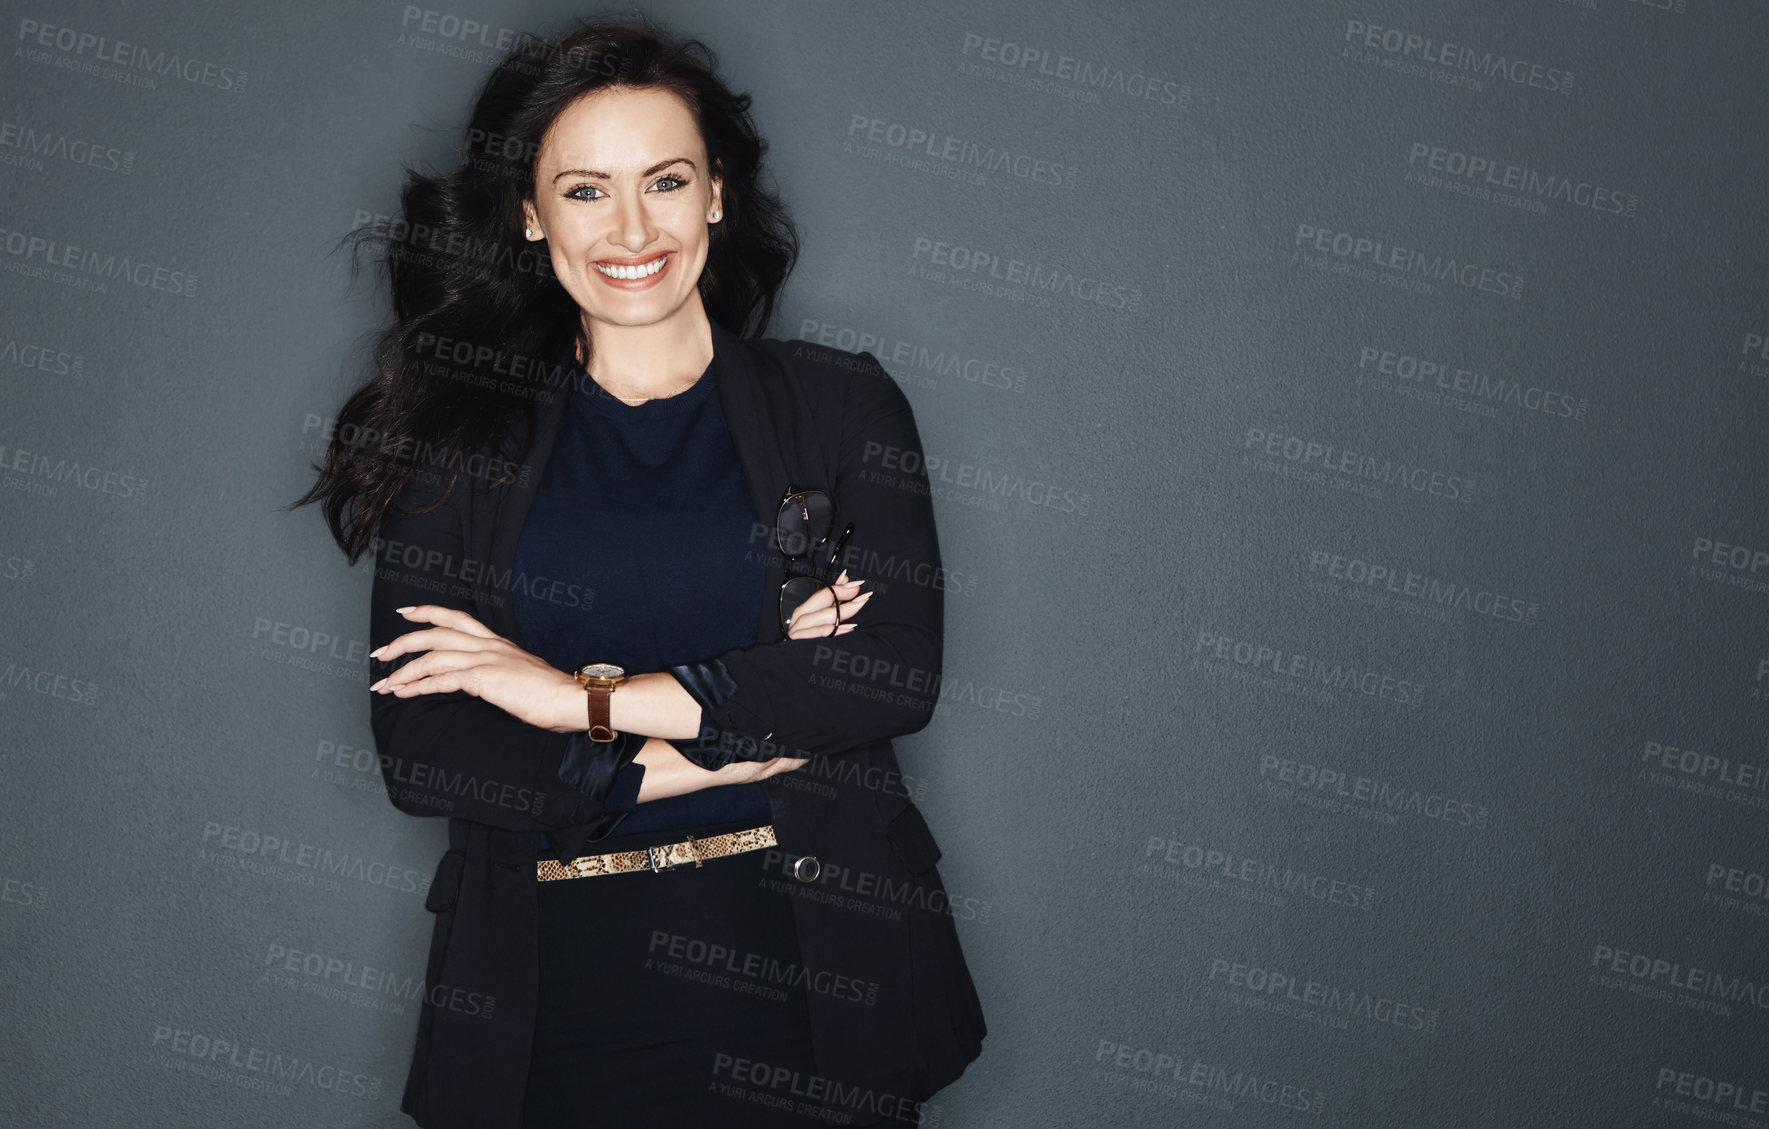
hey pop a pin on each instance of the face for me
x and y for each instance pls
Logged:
(623, 198)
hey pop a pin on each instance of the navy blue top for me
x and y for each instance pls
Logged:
(637, 551)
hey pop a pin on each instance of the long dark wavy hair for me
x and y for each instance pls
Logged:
(482, 329)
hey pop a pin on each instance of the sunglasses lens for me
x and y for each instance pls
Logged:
(794, 593)
(804, 519)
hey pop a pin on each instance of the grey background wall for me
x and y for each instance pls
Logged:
(1350, 433)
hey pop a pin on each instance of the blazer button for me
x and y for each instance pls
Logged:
(806, 868)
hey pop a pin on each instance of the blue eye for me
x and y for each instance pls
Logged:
(678, 183)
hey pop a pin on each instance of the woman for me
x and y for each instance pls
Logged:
(685, 883)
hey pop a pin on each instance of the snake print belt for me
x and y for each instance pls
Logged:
(659, 858)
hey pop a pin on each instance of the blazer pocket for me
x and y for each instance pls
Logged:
(910, 838)
(445, 888)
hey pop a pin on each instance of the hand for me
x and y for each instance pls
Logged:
(670, 773)
(814, 617)
(466, 655)
(747, 772)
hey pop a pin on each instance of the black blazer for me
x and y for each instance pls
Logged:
(873, 909)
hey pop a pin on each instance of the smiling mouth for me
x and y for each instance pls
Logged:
(641, 270)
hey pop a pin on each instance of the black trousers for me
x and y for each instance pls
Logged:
(660, 993)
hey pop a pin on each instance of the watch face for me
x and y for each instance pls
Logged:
(601, 670)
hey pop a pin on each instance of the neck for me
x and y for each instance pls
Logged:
(655, 359)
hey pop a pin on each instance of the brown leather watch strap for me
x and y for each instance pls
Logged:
(600, 730)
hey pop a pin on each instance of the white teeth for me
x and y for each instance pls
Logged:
(641, 271)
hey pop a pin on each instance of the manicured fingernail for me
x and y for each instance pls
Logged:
(403, 610)
(376, 653)
(379, 684)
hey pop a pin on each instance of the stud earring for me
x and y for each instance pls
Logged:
(716, 215)
(528, 231)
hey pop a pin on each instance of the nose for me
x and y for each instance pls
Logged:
(632, 225)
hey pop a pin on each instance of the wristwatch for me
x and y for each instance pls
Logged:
(600, 679)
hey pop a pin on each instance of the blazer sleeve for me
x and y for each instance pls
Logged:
(454, 754)
(797, 697)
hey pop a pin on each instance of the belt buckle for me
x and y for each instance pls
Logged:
(652, 856)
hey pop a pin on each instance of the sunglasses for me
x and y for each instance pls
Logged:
(801, 533)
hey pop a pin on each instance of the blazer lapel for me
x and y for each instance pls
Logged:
(501, 512)
(756, 408)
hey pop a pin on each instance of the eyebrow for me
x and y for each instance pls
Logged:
(658, 167)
